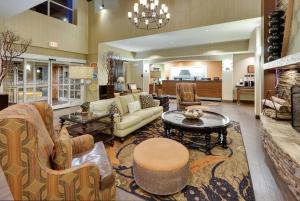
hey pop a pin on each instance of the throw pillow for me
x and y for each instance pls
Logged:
(134, 106)
(62, 152)
(188, 96)
(147, 101)
(115, 110)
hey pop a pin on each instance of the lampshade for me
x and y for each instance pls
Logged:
(121, 80)
(81, 72)
(155, 74)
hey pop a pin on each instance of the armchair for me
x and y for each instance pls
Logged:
(186, 95)
(133, 88)
(26, 143)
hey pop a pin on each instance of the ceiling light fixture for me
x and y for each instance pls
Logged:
(147, 14)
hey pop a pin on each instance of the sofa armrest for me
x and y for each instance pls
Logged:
(82, 143)
(157, 103)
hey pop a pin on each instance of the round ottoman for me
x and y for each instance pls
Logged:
(161, 166)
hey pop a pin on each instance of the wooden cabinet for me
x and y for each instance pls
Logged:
(207, 89)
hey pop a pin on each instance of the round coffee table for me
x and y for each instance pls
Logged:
(200, 129)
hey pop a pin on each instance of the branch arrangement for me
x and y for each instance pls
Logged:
(109, 61)
(12, 46)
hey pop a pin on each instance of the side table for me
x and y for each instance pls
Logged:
(164, 102)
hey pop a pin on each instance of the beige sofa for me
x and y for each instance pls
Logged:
(130, 122)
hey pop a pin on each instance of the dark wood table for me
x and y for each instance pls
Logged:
(90, 124)
(196, 133)
(164, 101)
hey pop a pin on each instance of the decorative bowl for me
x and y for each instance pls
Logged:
(193, 114)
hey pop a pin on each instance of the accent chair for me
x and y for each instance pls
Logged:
(27, 146)
(132, 87)
(186, 95)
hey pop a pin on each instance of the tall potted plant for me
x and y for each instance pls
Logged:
(109, 61)
(12, 46)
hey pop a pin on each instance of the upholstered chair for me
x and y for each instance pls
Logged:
(133, 88)
(186, 95)
(27, 146)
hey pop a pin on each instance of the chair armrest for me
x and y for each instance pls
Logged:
(157, 103)
(197, 98)
(82, 143)
(87, 175)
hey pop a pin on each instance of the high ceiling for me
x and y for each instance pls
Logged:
(9, 8)
(232, 31)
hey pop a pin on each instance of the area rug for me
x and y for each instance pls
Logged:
(224, 175)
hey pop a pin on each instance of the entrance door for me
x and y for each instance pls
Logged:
(66, 92)
(60, 86)
(37, 79)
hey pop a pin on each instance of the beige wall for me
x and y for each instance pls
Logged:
(42, 29)
(214, 68)
(134, 72)
(112, 23)
(199, 50)
(240, 65)
(103, 48)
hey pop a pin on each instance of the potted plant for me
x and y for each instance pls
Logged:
(85, 107)
(12, 46)
(109, 61)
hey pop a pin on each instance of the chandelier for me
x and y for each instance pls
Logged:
(149, 15)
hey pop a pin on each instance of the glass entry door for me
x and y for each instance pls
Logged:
(37, 79)
(66, 92)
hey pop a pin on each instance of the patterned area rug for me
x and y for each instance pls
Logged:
(224, 175)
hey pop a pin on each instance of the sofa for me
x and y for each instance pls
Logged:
(27, 146)
(130, 121)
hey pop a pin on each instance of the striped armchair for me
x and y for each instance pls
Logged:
(27, 141)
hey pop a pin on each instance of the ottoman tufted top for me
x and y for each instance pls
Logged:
(161, 154)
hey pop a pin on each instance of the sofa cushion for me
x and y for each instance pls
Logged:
(125, 100)
(134, 107)
(147, 101)
(103, 106)
(144, 114)
(114, 109)
(128, 121)
(98, 156)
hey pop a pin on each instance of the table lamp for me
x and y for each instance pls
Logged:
(83, 73)
(121, 81)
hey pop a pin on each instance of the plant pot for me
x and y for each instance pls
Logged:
(3, 101)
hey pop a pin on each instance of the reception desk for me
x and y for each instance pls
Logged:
(207, 89)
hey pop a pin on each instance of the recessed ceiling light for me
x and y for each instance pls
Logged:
(207, 30)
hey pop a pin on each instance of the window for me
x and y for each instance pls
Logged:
(188, 73)
(59, 9)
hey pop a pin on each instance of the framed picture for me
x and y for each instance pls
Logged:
(251, 69)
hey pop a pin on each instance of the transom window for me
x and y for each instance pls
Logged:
(59, 9)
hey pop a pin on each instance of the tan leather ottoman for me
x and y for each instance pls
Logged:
(161, 166)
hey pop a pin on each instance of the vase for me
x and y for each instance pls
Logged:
(3, 101)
